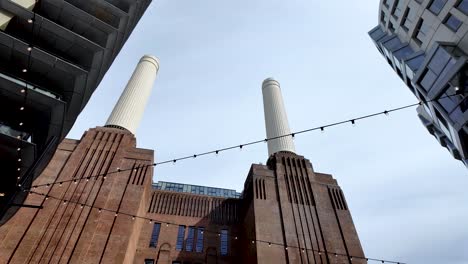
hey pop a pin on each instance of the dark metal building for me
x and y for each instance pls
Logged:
(426, 44)
(53, 54)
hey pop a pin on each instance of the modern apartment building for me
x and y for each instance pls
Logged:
(426, 44)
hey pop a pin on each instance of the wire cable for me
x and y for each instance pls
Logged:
(241, 146)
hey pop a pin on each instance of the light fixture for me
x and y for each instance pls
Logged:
(25, 70)
(29, 48)
(22, 108)
(30, 20)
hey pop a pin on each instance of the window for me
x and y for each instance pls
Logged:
(180, 238)
(149, 261)
(436, 6)
(452, 22)
(224, 242)
(428, 79)
(421, 30)
(415, 63)
(439, 60)
(463, 6)
(155, 235)
(190, 238)
(382, 17)
(397, 9)
(408, 19)
(388, 3)
(199, 245)
(391, 27)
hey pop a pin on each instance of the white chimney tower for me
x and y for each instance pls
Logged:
(129, 109)
(276, 120)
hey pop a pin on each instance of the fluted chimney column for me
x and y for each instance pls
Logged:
(276, 120)
(129, 109)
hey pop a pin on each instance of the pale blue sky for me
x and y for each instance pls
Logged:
(406, 193)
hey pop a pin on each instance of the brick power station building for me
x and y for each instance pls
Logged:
(287, 212)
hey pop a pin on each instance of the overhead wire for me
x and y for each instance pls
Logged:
(241, 146)
(234, 236)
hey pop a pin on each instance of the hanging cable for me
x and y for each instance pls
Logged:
(234, 236)
(240, 146)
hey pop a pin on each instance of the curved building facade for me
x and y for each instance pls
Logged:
(53, 55)
(426, 44)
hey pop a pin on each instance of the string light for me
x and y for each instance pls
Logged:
(133, 217)
(321, 128)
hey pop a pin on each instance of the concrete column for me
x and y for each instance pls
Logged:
(276, 120)
(129, 109)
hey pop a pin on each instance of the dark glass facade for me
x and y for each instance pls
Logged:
(195, 189)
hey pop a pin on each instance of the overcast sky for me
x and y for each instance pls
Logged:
(406, 193)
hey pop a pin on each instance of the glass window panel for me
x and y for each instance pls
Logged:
(190, 238)
(199, 245)
(224, 242)
(416, 62)
(439, 60)
(463, 6)
(398, 8)
(436, 6)
(180, 238)
(428, 79)
(403, 52)
(155, 235)
(453, 23)
(149, 261)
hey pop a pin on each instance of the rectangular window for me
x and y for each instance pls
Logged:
(199, 246)
(408, 19)
(421, 30)
(452, 22)
(427, 80)
(391, 27)
(180, 238)
(149, 261)
(436, 6)
(190, 238)
(397, 9)
(463, 6)
(387, 3)
(155, 235)
(224, 242)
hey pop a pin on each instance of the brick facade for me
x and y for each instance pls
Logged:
(283, 202)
